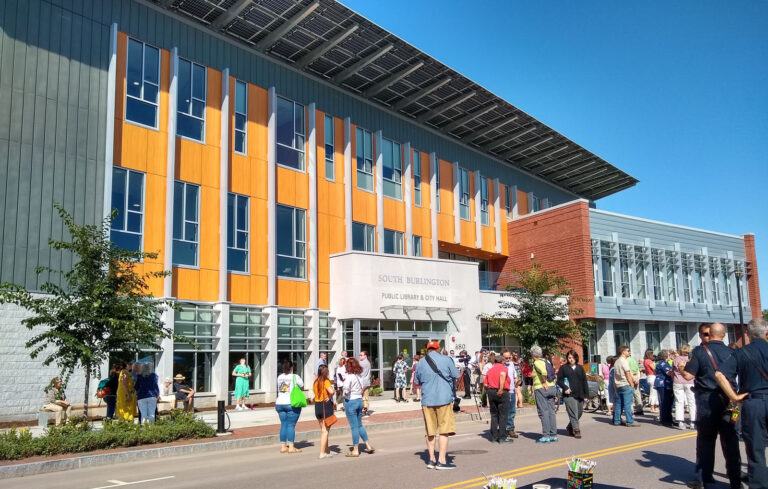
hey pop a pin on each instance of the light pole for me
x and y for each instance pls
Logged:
(738, 273)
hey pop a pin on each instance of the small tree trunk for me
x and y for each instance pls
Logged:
(87, 389)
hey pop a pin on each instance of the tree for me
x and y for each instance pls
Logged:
(765, 314)
(102, 306)
(537, 310)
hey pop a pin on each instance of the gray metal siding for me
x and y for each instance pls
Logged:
(664, 236)
(53, 64)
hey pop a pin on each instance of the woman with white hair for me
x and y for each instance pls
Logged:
(544, 391)
(147, 392)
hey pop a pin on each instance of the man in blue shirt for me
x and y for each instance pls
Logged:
(437, 375)
(750, 364)
(711, 404)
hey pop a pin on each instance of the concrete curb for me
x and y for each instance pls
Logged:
(72, 463)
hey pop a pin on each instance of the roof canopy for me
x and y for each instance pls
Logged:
(329, 41)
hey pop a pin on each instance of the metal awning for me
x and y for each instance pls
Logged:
(329, 41)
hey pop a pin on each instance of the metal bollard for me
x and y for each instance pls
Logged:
(220, 423)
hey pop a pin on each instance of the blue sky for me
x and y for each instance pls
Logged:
(674, 93)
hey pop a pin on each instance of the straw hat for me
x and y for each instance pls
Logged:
(179, 377)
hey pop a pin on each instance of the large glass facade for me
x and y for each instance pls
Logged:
(196, 322)
(247, 339)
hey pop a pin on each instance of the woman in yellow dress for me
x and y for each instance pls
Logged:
(126, 396)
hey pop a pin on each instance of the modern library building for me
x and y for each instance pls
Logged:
(315, 184)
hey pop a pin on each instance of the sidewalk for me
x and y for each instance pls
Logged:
(249, 428)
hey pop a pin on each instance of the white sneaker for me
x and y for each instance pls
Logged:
(692, 426)
(681, 425)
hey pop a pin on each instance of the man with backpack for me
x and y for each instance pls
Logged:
(544, 391)
(437, 375)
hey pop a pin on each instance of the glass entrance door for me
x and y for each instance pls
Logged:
(394, 345)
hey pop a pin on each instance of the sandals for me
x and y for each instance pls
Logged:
(293, 450)
(369, 451)
(352, 454)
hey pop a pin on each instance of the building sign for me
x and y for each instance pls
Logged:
(412, 290)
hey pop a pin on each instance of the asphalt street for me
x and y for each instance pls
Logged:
(647, 457)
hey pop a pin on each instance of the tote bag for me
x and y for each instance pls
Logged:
(298, 399)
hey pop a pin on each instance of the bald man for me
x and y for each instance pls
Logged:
(712, 419)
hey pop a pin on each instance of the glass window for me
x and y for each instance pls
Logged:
(641, 255)
(681, 335)
(417, 246)
(725, 281)
(437, 185)
(483, 200)
(625, 264)
(254, 360)
(241, 116)
(186, 221)
(247, 329)
(507, 199)
(392, 169)
(653, 337)
(393, 242)
(128, 199)
(190, 101)
(620, 335)
(687, 277)
(329, 148)
(325, 336)
(671, 272)
(292, 331)
(364, 152)
(606, 264)
(464, 194)
(714, 272)
(596, 263)
(290, 134)
(196, 322)
(238, 224)
(535, 203)
(417, 178)
(291, 242)
(699, 279)
(142, 83)
(658, 275)
(363, 237)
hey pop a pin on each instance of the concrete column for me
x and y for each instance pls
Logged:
(165, 362)
(348, 184)
(170, 168)
(456, 203)
(313, 322)
(433, 207)
(407, 158)
(271, 197)
(221, 367)
(637, 340)
(478, 219)
(269, 369)
(667, 330)
(497, 213)
(109, 147)
(223, 185)
(616, 270)
(312, 172)
(705, 280)
(379, 189)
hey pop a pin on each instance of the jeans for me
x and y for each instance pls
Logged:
(684, 395)
(624, 399)
(499, 405)
(545, 406)
(111, 402)
(353, 408)
(512, 410)
(712, 420)
(147, 407)
(289, 415)
(575, 408)
(754, 421)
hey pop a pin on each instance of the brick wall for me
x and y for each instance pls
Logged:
(559, 239)
(753, 282)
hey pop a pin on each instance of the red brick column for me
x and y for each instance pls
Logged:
(753, 283)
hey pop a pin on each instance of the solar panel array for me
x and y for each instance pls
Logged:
(327, 40)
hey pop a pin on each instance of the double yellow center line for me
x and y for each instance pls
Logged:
(559, 461)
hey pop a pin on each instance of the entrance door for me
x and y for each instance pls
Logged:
(394, 345)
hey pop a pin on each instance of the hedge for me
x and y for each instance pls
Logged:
(78, 435)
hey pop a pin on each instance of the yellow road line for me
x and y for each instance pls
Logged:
(557, 462)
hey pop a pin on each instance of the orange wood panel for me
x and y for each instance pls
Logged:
(446, 187)
(209, 285)
(394, 214)
(186, 283)
(209, 228)
(489, 232)
(213, 108)
(258, 289)
(239, 287)
(323, 296)
(522, 203)
(286, 293)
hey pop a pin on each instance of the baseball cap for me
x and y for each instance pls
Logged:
(433, 344)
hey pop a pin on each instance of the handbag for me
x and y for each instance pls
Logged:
(298, 399)
(328, 420)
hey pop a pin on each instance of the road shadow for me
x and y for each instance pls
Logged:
(558, 483)
(679, 470)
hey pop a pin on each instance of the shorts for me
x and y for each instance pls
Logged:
(529, 381)
(439, 419)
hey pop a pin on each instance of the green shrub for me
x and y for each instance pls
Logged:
(78, 435)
